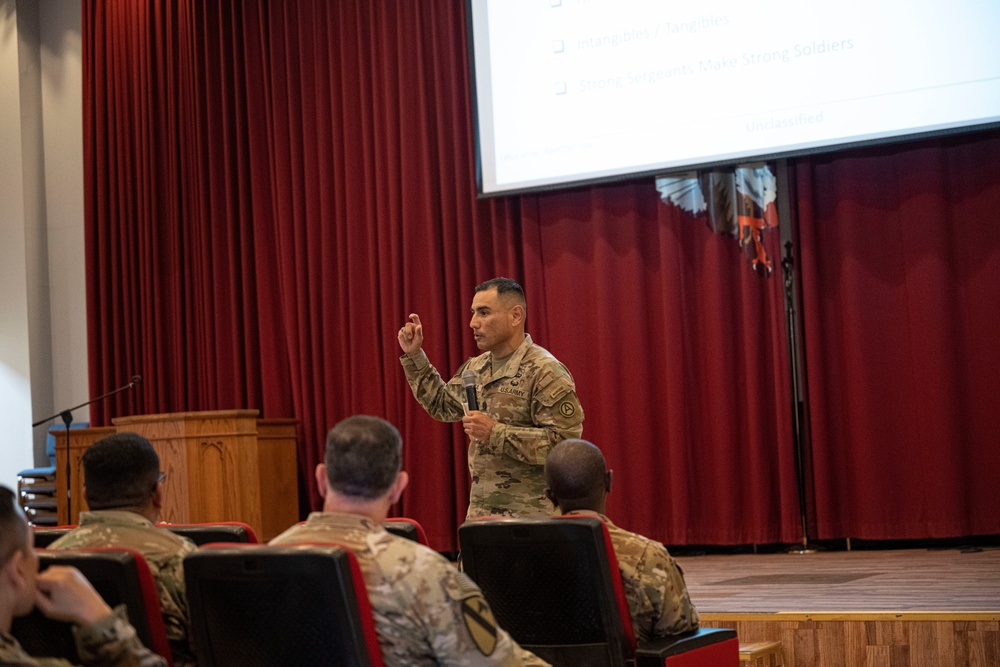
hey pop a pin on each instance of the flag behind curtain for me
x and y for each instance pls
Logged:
(739, 202)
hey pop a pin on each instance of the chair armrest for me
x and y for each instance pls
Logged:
(656, 651)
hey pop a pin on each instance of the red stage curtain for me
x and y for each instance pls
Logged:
(900, 274)
(271, 187)
(678, 350)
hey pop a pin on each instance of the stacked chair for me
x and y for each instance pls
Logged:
(36, 487)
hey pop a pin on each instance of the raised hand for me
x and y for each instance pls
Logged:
(411, 335)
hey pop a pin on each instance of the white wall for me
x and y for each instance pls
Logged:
(43, 365)
(62, 114)
(15, 394)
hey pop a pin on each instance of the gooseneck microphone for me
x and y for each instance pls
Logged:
(67, 417)
(136, 380)
(469, 382)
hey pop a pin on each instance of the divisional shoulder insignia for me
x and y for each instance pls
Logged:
(567, 409)
(481, 624)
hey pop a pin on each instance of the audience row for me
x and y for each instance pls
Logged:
(420, 601)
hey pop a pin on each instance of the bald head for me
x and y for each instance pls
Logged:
(577, 476)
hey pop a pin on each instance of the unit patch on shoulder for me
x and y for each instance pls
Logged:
(567, 409)
(481, 624)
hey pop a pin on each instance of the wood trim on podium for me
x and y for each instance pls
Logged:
(279, 474)
(223, 465)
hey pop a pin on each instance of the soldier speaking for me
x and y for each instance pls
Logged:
(526, 398)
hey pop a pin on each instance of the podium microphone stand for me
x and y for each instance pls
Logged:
(67, 418)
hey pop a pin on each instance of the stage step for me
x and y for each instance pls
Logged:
(761, 654)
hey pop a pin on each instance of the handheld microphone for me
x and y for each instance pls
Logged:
(469, 382)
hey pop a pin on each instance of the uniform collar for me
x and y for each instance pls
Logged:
(590, 513)
(341, 520)
(485, 361)
(114, 516)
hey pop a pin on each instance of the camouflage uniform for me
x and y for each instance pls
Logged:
(164, 553)
(654, 584)
(426, 612)
(533, 402)
(110, 642)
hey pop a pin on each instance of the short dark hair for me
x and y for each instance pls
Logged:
(119, 471)
(13, 526)
(575, 472)
(505, 287)
(364, 455)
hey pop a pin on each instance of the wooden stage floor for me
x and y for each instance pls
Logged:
(894, 608)
(898, 580)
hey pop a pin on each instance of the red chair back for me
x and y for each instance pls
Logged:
(408, 528)
(217, 531)
(555, 586)
(121, 576)
(257, 605)
(621, 602)
(551, 586)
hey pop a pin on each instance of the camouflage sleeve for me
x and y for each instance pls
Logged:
(12, 655)
(27, 661)
(442, 401)
(173, 603)
(112, 642)
(667, 607)
(556, 415)
(463, 631)
(529, 659)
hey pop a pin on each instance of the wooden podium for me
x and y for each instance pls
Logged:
(79, 440)
(224, 465)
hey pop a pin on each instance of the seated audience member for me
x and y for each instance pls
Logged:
(579, 481)
(124, 489)
(103, 636)
(426, 611)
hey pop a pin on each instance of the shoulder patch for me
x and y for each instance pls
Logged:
(480, 623)
(461, 586)
(551, 388)
(567, 409)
